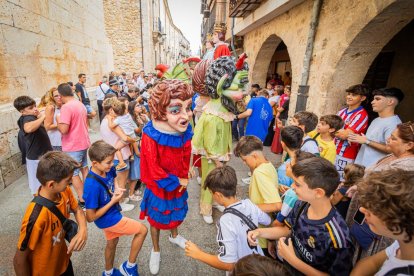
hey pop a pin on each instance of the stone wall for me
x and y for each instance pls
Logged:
(346, 43)
(46, 42)
(123, 27)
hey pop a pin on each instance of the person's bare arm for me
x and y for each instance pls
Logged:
(32, 126)
(336, 197)
(94, 214)
(343, 134)
(49, 114)
(369, 265)
(78, 242)
(245, 114)
(362, 139)
(21, 262)
(271, 233)
(192, 251)
(270, 207)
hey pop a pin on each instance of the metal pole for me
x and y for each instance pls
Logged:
(304, 87)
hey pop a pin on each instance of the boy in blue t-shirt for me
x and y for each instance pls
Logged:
(320, 240)
(102, 196)
(260, 115)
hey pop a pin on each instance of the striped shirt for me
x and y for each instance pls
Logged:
(357, 121)
(324, 244)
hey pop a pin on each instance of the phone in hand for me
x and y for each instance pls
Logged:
(359, 217)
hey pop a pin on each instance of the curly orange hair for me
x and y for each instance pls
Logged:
(163, 93)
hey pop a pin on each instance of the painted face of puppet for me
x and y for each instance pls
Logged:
(178, 116)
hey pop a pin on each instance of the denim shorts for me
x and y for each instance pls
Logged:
(81, 157)
(116, 162)
(88, 108)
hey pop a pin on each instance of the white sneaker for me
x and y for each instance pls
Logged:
(199, 180)
(218, 207)
(208, 219)
(246, 180)
(134, 197)
(154, 263)
(178, 240)
(249, 173)
(127, 207)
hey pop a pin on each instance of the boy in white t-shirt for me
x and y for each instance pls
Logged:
(239, 217)
(387, 203)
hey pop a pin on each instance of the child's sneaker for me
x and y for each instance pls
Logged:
(154, 263)
(246, 180)
(178, 240)
(135, 197)
(128, 271)
(121, 166)
(115, 272)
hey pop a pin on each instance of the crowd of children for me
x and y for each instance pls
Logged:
(309, 216)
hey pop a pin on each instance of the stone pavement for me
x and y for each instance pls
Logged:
(90, 261)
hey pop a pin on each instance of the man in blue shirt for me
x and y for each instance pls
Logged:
(260, 115)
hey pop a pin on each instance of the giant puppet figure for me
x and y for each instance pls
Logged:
(212, 134)
(165, 161)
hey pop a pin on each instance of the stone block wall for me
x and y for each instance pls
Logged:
(11, 167)
(123, 27)
(46, 42)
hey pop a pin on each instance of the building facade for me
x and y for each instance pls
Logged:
(327, 46)
(45, 43)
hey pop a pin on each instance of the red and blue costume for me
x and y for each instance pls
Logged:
(164, 159)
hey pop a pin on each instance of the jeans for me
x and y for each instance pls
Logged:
(237, 128)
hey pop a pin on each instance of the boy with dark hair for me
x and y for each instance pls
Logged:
(324, 135)
(374, 142)
(102, 196)
(238, 218)
(320, 240)
(387, 203)
(42, 248)
(263, 188)
(36, 139)
(355, 119)
(307, 121)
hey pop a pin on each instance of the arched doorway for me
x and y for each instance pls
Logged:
(393, 67)
(272, 58)
(363, 50)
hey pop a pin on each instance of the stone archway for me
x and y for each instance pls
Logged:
(364, 48)
(263, 58)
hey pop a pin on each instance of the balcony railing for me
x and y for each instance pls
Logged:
(240, 8)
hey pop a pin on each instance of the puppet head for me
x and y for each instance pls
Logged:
(170, 105)
(199, 77)
(225, 82)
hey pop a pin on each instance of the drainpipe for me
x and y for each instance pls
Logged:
(142, 35)
(304, 87)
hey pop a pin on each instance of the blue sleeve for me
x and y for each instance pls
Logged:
(91, 194)
(290, 218)
(280, 218)
(250, 104)
(343, 190)
(169, 184)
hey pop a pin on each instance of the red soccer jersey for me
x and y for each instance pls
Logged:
(357, 121)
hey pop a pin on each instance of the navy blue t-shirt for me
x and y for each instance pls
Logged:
(259, 120)
(323, 244)
(96, 197)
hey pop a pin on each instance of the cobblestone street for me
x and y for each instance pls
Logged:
(90, 261)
